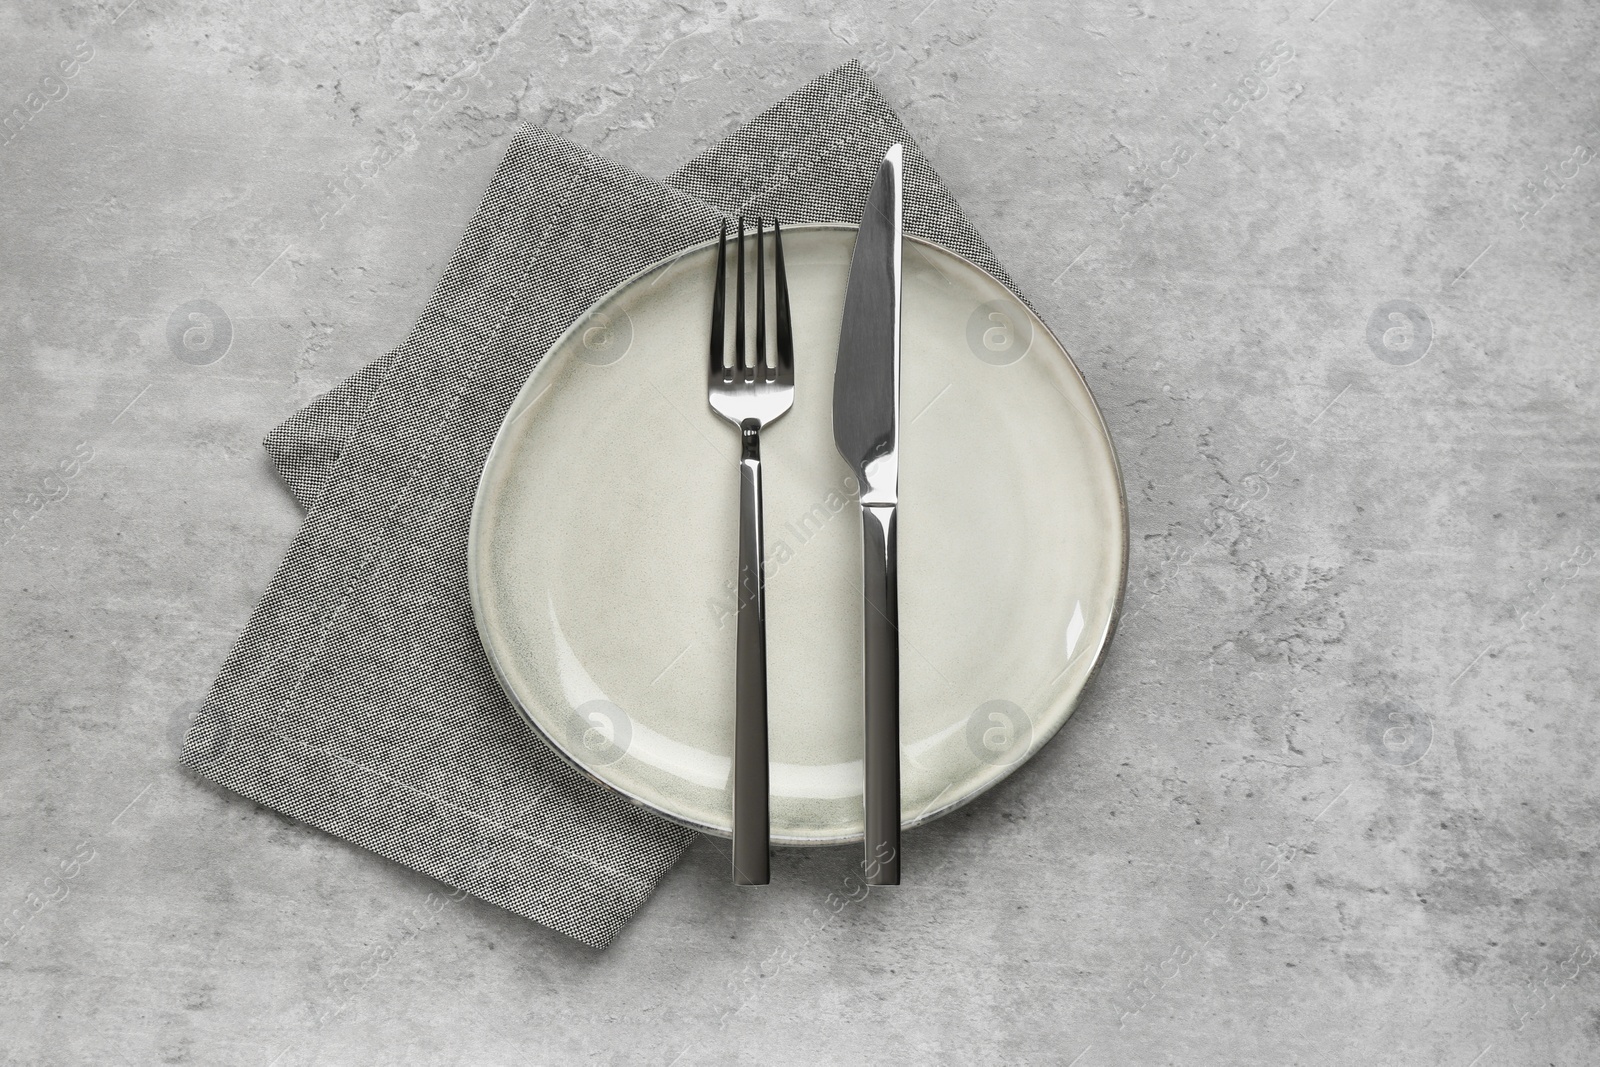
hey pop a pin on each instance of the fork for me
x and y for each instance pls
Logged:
(751, 395)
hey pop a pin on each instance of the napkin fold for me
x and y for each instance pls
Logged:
(358, 698)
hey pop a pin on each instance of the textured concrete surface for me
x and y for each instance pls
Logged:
(1333, 799)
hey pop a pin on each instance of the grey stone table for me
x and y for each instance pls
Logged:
(1331, 270)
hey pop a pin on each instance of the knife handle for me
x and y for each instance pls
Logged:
(882, 756)
(751, 830)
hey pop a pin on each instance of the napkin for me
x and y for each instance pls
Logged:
(358, 698)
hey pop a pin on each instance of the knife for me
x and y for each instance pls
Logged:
(866, 429)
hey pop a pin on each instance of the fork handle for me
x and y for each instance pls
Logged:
(750, 783)
(882, 754)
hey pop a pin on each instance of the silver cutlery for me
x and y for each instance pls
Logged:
(751, 395)
(866, 425)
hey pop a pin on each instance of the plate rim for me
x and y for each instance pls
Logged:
(927, 815)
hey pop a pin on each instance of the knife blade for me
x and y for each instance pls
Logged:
(866, 429)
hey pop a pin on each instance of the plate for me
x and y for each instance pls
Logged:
(604, 547)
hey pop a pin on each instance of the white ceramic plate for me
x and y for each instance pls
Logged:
(604, 547)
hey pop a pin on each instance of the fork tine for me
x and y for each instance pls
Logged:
(738, 314)
(785, 333)
(761, 374)
(719, 309)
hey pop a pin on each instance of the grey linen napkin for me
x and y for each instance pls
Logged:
(358, 699)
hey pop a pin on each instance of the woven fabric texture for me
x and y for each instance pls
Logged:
(358, 699)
